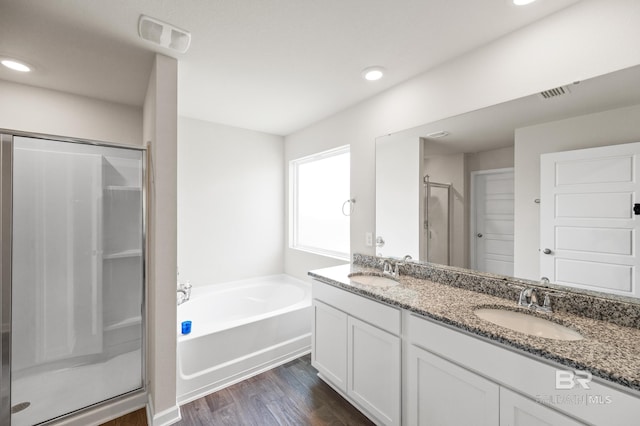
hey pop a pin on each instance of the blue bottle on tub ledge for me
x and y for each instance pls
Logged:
(186, 327)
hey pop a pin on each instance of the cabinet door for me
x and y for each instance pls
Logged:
(441, 393)
(517, 410)
(329, 344)
(374, 371)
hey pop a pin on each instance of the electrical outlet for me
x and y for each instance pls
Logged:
(369, 239)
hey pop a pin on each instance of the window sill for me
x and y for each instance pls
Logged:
(325, 253)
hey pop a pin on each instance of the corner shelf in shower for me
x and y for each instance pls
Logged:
(122, 188)
(123, 254)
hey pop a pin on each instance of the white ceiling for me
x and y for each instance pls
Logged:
(269, 65)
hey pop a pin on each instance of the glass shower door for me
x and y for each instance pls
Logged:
(77, 276)
(438, 222)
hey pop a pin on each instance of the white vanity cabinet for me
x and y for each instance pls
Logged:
(402, 368)
(356, 349)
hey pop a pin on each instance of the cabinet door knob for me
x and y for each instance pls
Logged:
(546, 251)
(479, 235)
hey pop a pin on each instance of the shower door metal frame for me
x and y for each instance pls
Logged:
(6, 236)
(6, 208)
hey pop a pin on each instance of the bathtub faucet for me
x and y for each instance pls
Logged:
(184, 292)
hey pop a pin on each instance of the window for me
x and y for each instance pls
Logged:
(319, 187)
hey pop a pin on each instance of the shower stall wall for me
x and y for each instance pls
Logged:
(72, 276)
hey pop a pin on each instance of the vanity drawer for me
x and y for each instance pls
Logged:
(375, 313)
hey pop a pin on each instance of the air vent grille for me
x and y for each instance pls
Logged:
(438, 134)
(163, 34)
(555, 92)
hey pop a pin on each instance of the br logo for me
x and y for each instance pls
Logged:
(567, 379)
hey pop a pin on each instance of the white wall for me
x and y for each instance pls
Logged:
(487, 160)
(160, 131)
(230, 203)
(605, 128)
(588, 39)
(399, 194)
(32, 109)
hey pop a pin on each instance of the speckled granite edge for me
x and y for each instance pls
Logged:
(615, 309)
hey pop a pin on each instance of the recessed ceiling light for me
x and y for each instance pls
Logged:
(373, 73)
(15, 65)
(522, 2)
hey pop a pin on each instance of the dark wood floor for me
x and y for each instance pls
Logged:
(137, 418)
(291, 394)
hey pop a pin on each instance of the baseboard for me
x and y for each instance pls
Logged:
(163, 418)
(244, 374)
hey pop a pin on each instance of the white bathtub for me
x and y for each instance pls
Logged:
(240, 329)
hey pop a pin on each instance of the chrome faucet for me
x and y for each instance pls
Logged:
(184, 292)
(388, 268)
(182, 296)
(529, 298)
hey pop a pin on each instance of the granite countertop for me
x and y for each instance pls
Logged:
(608, 351)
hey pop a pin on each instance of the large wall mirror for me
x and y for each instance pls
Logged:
(539, 187)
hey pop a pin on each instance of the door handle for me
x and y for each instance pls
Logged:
(546, 251)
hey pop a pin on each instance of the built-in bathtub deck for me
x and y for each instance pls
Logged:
(240, 329)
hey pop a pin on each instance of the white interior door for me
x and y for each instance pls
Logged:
(589, 231)
(492, 208)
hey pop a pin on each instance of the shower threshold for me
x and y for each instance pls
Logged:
(50, 394)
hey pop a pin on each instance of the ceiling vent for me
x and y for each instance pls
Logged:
(163, 34)
(554, 93)
(438, 134)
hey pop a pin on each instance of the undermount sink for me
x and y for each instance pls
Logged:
(372, 279)
(528, 324)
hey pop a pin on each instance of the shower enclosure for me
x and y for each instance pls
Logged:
(437, 222)
(72, 276)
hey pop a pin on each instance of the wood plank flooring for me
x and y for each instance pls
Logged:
(289, 395)
(137, 418)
